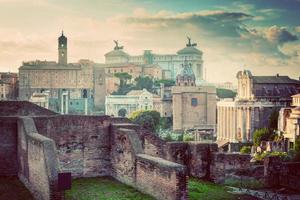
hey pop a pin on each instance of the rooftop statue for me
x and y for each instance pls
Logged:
(117, 47)
(189, 44)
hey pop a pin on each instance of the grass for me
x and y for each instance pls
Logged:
(104, 188)
(204, 190)
(12, 189)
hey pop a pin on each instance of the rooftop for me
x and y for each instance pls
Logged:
(275, 80)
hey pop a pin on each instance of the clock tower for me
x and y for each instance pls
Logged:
(62, 50)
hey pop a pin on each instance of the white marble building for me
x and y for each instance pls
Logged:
(257, 97)
(132, 101)
(168, 62)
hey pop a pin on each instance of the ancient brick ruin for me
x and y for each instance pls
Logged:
(36, 145)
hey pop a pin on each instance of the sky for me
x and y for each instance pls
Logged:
(259, 35)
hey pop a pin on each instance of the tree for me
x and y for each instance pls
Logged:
(148, 119)
(166, 82)
(260, 135)
(225, 93)
(144, 82)
(245, 150)
(124, 86)
(124, 77)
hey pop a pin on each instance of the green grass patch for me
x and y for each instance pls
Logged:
(105, 188)
(199, 189)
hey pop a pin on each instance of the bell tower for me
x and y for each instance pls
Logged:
(62, 49)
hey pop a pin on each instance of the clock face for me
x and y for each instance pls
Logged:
(62, 45)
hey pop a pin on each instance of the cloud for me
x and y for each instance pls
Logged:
(279, 35)
(209, 22)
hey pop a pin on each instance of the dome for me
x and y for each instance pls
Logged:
(186, 77)
(117, 53)
(189, 50)
(244, 73)
(187, 70)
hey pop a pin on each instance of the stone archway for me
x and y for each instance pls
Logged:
(122, 112)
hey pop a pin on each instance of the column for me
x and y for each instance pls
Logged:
(243, 124)
(235, 124)
(218, 123)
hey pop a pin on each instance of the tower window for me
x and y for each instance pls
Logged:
(194, 102)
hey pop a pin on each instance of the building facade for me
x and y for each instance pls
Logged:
(194, 107)
(257, 97)
(8, 86)
(69, 85)
(125, 105)
(289, 121)
(168, 62)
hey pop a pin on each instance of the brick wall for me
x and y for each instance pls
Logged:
(38, 166)
(22, 108)
(8, 146)
(132, 166)
(170, 178)
(83, 143)
(227, 163)
(281, 174)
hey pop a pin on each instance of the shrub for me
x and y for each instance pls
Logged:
(282, 155)
(245, 150)
(260, 135)
(148, 119)
(188, 137)
(168, 137)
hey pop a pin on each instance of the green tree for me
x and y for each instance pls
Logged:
(245, 150)
(168, 137)
(260, 135)
(144, 82)
(166, 82)
(225, 93)
(124, 77)
(148, 119)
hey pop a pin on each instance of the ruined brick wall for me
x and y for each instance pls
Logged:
(132, 166)
(125, 145)
(196, 156)
(163, 179)
(224, 164)
(201, 159)
(83, 143)
(8, 146)
(281, 174)
(22, 108)
(38, 165)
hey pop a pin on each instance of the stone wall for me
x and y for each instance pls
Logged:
(83, 143)
(281, 174)
(132, 166)
(224, 164)
(8, 146)
(38, 164)
(160, 178)
(22, 108)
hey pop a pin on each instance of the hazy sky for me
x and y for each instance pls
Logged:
(260, 35)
